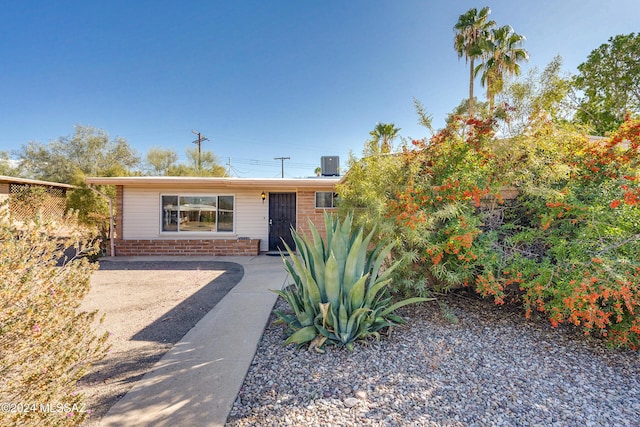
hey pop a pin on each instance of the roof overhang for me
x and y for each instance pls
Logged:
(14, 180)
(217, 182)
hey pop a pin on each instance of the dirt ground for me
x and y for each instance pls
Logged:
(148, 307)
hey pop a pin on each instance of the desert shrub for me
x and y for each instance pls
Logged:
(567, 246)
(572, 248)
(339, 293)
(46, 343)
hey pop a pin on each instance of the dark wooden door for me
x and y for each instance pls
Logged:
(282, 218)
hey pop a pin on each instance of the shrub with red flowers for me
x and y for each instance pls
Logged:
(549, 219)
(437, 213)
(572, 246)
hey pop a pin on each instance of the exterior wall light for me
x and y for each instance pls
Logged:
(263, 196)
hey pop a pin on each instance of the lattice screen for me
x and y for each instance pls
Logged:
(26, 201)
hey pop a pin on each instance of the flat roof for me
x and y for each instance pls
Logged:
(14, 180)
(228, 182)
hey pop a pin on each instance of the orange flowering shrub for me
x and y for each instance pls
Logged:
(437, 213)
(568, 245)
(588, 271)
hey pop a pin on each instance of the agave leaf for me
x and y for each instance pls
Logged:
(343, 319)
(317, 240)
(395, 319)
(380, 324)
(378, 263)
(373, 291)
(402, 303)
(284, 318)
(332, 280)
(356, 294)
(365, 325)
(313, 291)
(317, 343)
(362, 259)
(302, 336)
(353, 326)
(339, 251)
(291, 270)
(330, 231)
(304, 318)
(297, 266)
(345, 229)
(350, 269)
(301, 246)
(324, 312)
(290, 297)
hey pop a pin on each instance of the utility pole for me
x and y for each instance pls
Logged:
(199, 141)
(282, 159)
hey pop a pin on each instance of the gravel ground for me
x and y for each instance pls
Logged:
(492, 367)
(148, 307)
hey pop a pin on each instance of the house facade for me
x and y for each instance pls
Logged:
(212, 215)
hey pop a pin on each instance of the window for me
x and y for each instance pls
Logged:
(197, 213)
(326, 199)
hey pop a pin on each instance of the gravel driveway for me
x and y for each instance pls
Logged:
(148, 307)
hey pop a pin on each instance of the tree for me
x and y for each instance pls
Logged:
(503, 52)
(472, 31)
(205, 164)
(89, 152)
(7, 168)
(382, 137)
(610, 81)
(481, 109)
(533, 99)
(160, 161)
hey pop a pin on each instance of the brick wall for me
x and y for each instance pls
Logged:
(219, 247)
(119, 211)
(307, 210)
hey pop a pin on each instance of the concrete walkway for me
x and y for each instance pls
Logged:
(197, 381)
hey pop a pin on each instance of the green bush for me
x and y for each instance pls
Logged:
(46, 343)
(339, 293)
(568, 245)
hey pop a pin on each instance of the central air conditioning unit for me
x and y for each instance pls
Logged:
(330, 165)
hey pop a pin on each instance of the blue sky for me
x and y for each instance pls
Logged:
(260, 79)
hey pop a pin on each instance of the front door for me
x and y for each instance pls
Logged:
(282, 218)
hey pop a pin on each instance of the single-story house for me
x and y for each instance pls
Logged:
(213, 215)
(29, 197)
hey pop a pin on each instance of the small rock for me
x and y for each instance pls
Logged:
(361, 394)
(350, 402)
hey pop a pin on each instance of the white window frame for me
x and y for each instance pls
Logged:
(194, 232)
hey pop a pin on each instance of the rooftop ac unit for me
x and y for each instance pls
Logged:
(330, 165)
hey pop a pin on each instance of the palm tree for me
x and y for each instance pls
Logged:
(472, 32)
(503, 53)
(382, 137)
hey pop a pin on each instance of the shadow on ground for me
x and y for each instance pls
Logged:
(134, 356)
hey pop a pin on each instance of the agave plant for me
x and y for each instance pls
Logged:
(339, 293)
